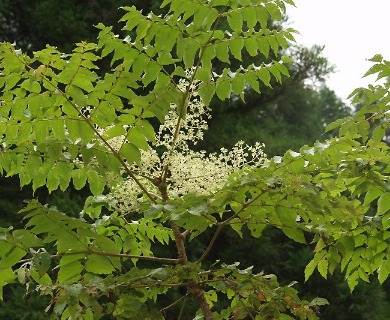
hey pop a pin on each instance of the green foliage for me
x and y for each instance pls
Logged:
(20, 305)
(286, 116)
(31, 25)
(286, 120)
(62, 123)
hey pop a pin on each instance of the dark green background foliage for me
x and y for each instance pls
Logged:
(285, 117)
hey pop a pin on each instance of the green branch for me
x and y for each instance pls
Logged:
(108, 254)
(222, 224)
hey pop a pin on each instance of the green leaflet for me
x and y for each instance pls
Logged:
(10, 255)
(11, 81)
(130, 152)
(372, 194)
(41, 262)
(384, 271)
(186, 50)
(207, 91)
(262, 16)
(265, 76)
(99, 264)
(313, 263)
(383, 204)
(136, 137)
(223, 89)
(294, 234)
(70, 269)
(274, 11)
(96, 182)
(251, 46)
(60, 175)
(31, 85)
(235, 20)
(322, 267)
(236, 47)
(256, 229)
(6, 277)
(238, 84)
(79, 178)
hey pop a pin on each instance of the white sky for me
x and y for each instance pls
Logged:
(352, 32)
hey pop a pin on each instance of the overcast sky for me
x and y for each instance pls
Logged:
(352, 32)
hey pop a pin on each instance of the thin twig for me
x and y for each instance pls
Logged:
(182, 308)
(174, 303)
(211, 243)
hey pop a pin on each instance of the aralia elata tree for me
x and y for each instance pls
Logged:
(62, 123)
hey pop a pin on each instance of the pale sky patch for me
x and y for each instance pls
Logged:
(352, 32)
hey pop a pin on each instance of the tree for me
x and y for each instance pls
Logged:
(62, 124)
(289, 120)
(286, 115)
(32, 25)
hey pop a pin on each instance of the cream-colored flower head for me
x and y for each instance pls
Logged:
(189, 171)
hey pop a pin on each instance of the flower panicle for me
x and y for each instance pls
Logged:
(189, 171)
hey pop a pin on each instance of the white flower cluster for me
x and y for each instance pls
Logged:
(189, 171)
(194, 123)
(200, 173)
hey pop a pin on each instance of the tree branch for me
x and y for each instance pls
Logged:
(108, 254)
(222, 224)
